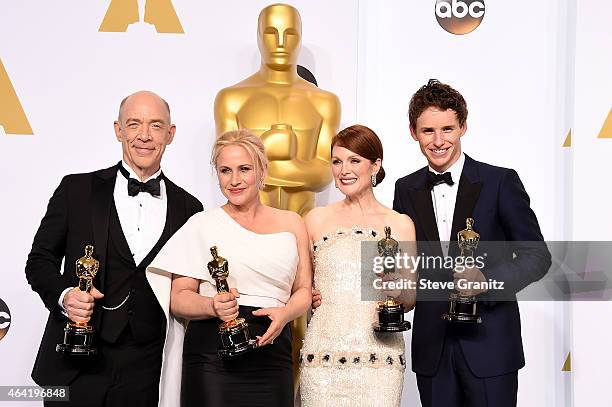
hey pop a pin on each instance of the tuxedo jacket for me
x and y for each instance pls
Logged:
(78, 214)
(496, 199)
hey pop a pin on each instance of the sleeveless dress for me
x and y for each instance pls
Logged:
(262, 268)
(343, 361)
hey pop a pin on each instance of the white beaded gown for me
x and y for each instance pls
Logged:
(343, 362)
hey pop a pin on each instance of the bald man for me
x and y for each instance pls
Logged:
(127, 212)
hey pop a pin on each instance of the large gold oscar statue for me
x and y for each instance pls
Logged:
(295, 120)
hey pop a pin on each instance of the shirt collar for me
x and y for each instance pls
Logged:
(133, 174)
(456, 169)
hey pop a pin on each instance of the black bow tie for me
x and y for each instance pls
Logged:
(135, 187)
(437, 179)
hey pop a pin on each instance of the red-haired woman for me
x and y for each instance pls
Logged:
(344, 363)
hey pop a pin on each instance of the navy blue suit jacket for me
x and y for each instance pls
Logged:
(496, 199)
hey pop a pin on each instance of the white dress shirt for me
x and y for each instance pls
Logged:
(142, 217)
(444, 197)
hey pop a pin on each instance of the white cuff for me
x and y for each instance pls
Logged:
(61, 300)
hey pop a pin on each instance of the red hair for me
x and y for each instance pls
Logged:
(363, 141)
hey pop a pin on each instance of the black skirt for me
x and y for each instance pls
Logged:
(262, 377)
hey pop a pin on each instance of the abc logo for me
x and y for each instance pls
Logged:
(459, 16)
(5, 319)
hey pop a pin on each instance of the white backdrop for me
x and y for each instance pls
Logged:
(530, 72)
(591, 210)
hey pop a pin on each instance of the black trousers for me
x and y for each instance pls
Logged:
(125, 373)
(454, 385)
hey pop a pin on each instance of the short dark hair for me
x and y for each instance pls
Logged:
(363, 141)
(440, 95)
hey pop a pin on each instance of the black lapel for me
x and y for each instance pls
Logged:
(424, 210)
(467, 196)
(102, 187)
(175, 217)
(118, 236)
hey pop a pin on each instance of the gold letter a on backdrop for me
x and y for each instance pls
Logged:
(160, 13)
(606, 129)
(12, 116)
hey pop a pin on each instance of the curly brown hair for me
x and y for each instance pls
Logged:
(440, 95)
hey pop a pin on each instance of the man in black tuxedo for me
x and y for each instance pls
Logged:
(467, 364)
(127, 212)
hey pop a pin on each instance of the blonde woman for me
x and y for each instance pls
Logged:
(269, 279)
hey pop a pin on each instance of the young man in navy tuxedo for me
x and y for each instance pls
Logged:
(459, 364)
(127, 212)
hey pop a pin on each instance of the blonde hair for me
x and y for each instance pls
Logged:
(248, 140)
